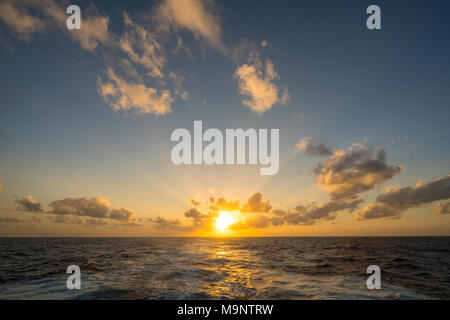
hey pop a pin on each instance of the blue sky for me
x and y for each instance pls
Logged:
(60, 137)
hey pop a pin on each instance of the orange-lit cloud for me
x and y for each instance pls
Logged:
(256, 213)
(23, 24)
(309, 146)
(122, 95)
(26, 17)
(142, 47)
(396, 200)
(197, 16)
(442, 208)
(256, 80)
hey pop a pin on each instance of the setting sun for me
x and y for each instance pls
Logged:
(224, 220)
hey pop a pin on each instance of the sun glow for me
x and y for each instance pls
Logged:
(224, 220)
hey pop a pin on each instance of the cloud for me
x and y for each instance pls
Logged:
(197, 16)
(27, 17)
(67, 220)
(357, 170)
(164, 223)
(125, 96)
(142, 47)
(309, 214)
(28, 204)
(301, 215)
(256, 80)
(442, 208)
(23, 24)
(95, 222)
(15, 220)
(70, 210)
(89, 207)
(94, 30)
(222, 204)
(396, 200)
(195, 214)
(122, 214)
(259, 214)
(11, 220)
(256, 204)
(257, 221)
(315, 149)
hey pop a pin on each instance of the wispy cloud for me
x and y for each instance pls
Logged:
(23, 24)
(26, 18)
(142, 47)
(197, 16)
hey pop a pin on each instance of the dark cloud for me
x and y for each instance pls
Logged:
(67, 219)
(11, 220)
(194, 202)
(70, 210)
(94, 207)
(165, 223)
(312, 148)
(194, 214)
(95, 222)
(28, 204)
(122, 214)
(309, 214)
(349, 173)
(300, 215)
(256, 204)
(171, 224)
(395, 201)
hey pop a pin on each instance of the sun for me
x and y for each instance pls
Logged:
(224, 220)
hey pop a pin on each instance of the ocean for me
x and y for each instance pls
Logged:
(225, 268)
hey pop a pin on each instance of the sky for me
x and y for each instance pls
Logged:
(86, 117)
